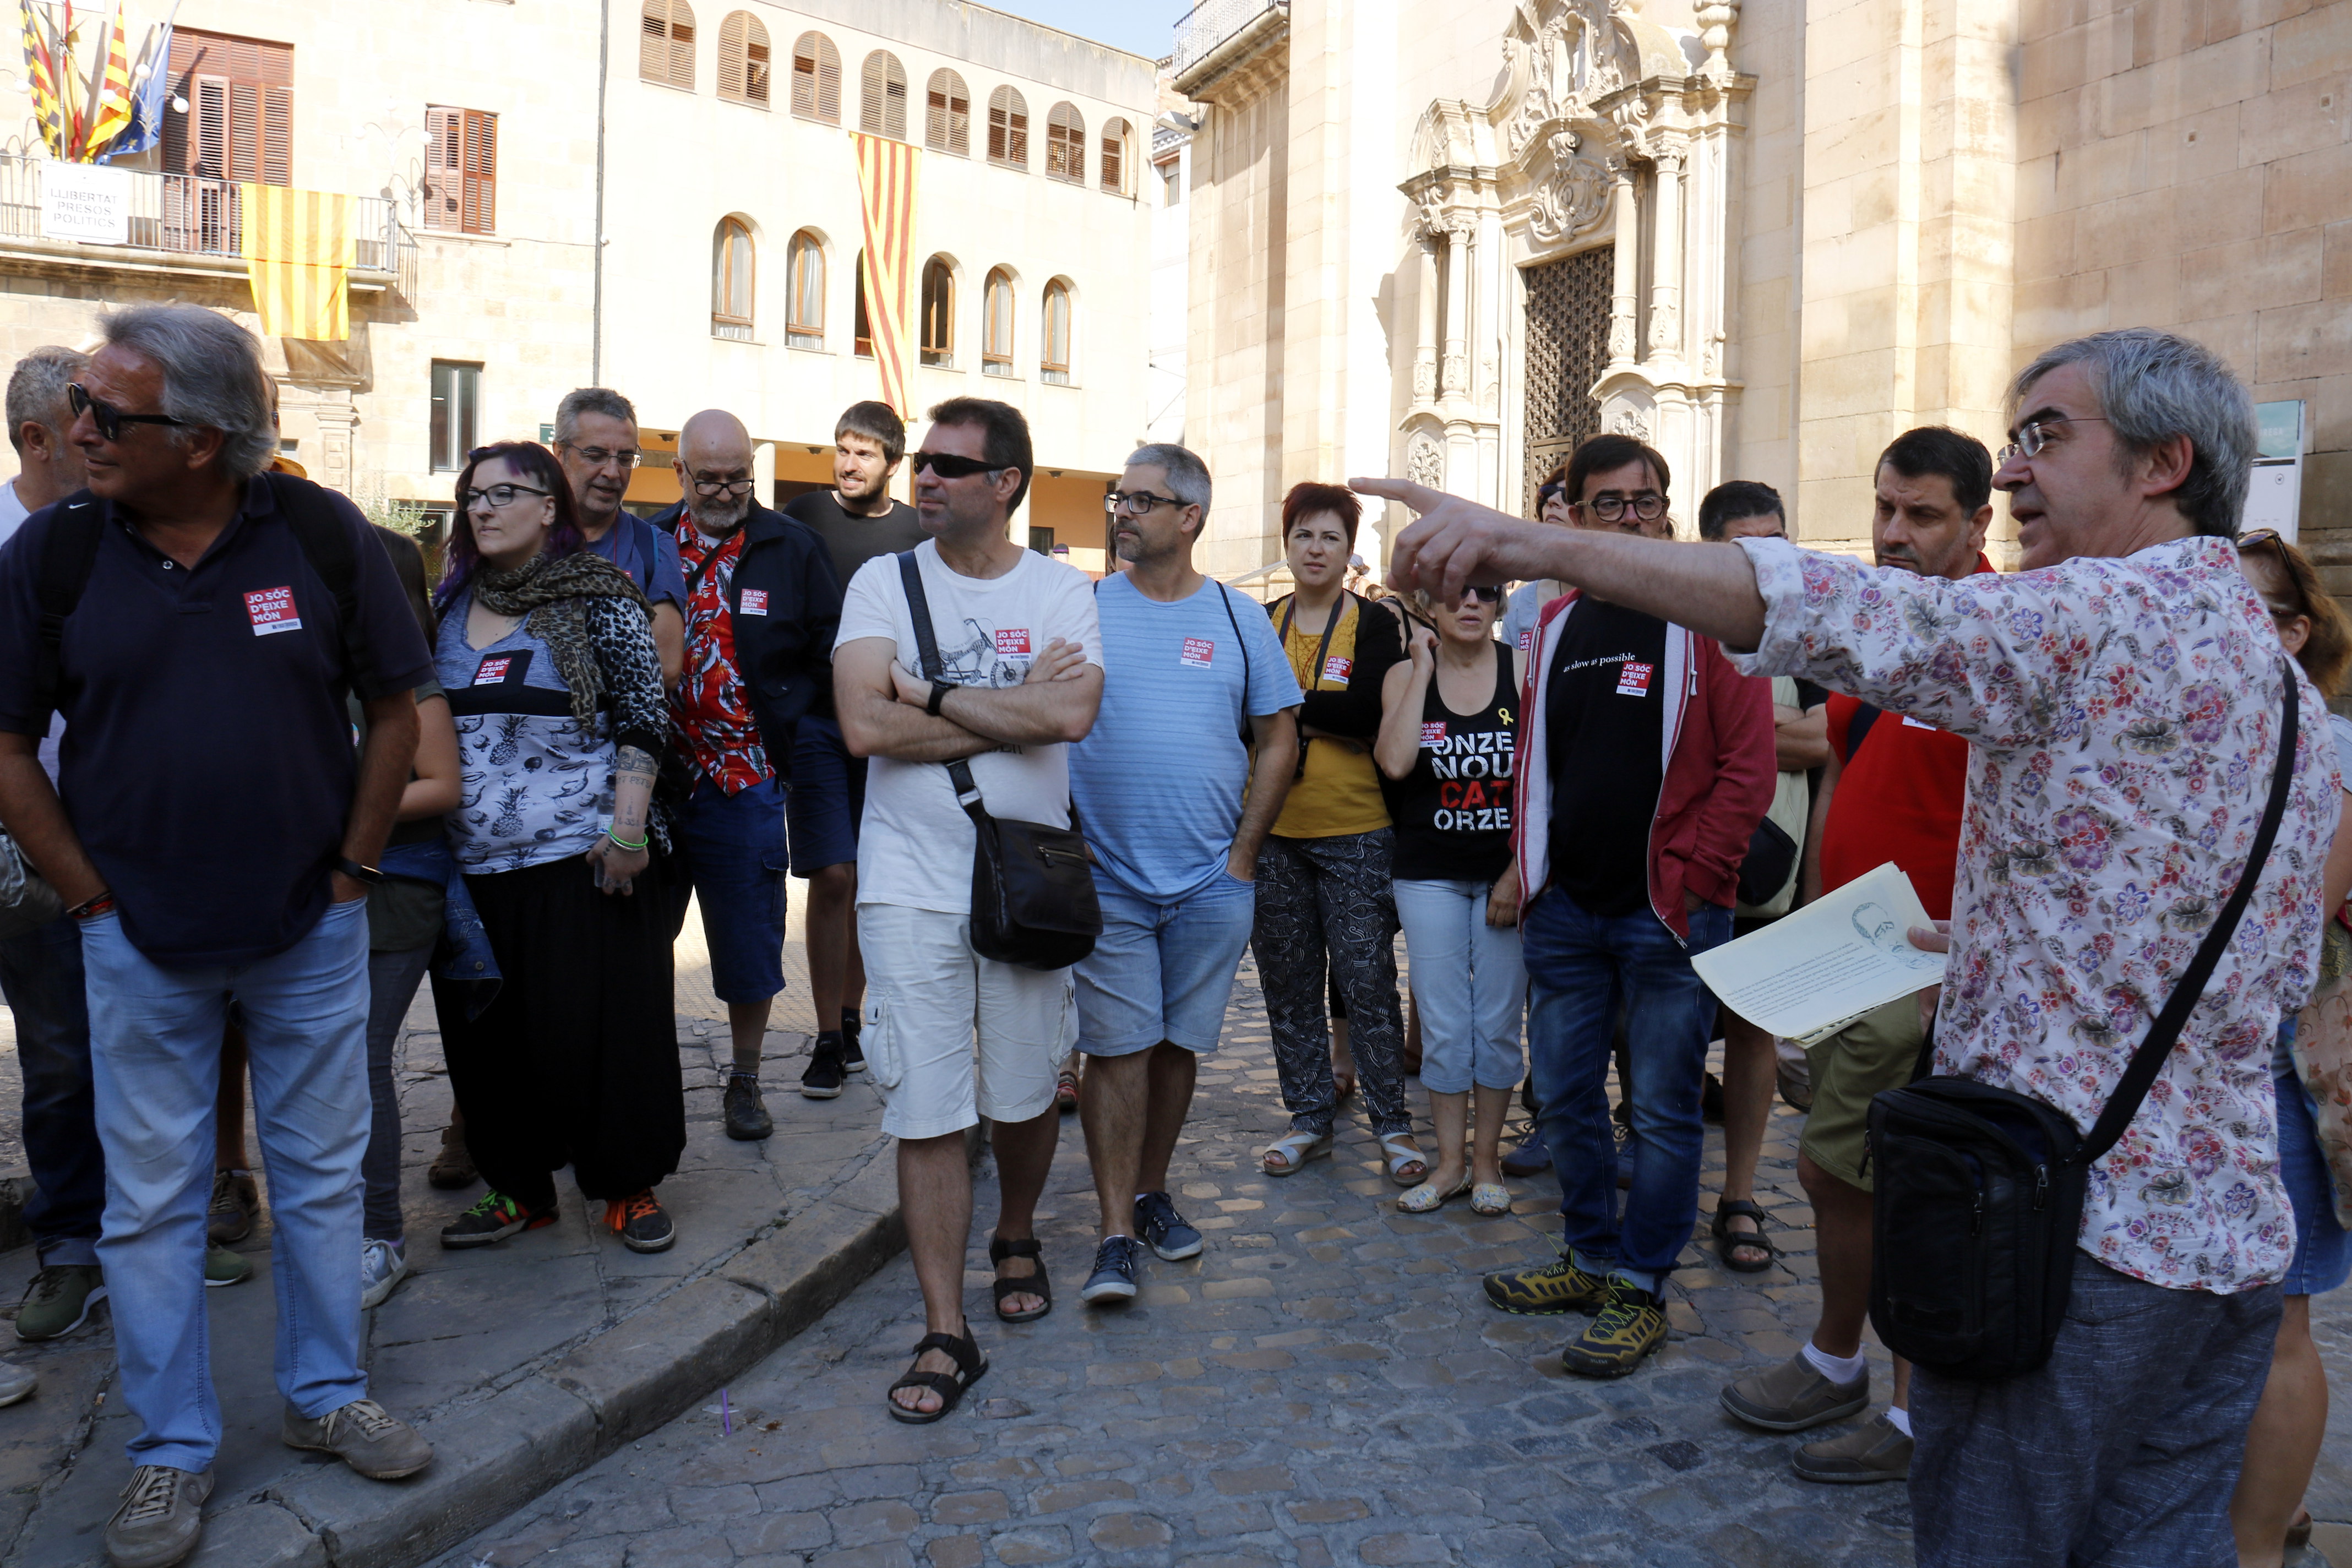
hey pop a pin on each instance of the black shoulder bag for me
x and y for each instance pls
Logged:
(1980, 1189)
(1032, 887)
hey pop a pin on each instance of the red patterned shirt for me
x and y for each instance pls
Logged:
(713, 712)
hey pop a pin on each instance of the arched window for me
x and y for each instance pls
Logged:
(804, 278)
(939, 313)
(666, 47)
(743, 65)
(947, 128)
(1008, 129)
(1065, 145)
(864, 330)
(996, 325)
(732, 264)
(882, 103)
(1055, 364)
(1113, 157)
(817, 79)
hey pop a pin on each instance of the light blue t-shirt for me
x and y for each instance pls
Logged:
(1158, 781)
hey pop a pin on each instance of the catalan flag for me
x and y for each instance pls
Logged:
(110, 105)
(41, 77)
(886, 182)
(298, 248)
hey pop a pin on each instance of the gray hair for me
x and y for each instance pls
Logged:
(213, 378)
(2153, 386)
(37, 391)
(1188, 477)
(582, 400)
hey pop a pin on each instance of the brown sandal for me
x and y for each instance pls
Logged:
(1731, 1241)
(970, 1365)
(1035, 1284)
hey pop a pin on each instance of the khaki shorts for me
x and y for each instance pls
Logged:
(1875, 1053)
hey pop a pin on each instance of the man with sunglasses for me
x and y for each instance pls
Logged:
(596, 447)
(762, 607)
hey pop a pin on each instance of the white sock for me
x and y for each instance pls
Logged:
(1899, 1418)
(1837, 1369)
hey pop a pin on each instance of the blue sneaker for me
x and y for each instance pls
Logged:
(1157, 1221)
(1530, 1157)
(1114, 1276)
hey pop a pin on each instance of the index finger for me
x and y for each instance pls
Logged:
(1418, 497)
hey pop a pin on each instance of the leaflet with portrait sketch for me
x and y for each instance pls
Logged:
(1809, 973)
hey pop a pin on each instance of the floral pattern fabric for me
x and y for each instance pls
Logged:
(2123, 720)
(713, 709)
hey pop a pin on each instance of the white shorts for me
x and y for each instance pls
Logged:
(927, 996)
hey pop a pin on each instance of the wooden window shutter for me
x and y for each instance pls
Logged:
(1113, 157)
(681, 44)
(1008, 127)
(444, 163)
(947, 126)
(869, 96)
(1066, 145)
(817, 79)
(653, 43)
(882, 96)
(733, 57)
(481, 172)
(756, 66)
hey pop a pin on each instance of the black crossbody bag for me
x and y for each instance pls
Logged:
(1979, 1190)
(1033, 886)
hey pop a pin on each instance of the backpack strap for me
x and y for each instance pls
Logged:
(1857, 728)
(1249, 681)
(68, 554)
(325, 536)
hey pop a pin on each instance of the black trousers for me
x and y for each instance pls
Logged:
(576, 1061)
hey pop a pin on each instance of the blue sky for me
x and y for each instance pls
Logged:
(1145, 26)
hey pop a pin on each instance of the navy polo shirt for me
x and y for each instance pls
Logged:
(208, 763)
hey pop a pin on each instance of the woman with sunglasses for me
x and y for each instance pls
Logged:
(2312, 1071)
(1323, 879)
(547, 651)
(1445, 748)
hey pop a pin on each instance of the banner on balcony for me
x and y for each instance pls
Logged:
(298, 250)
(886, 182)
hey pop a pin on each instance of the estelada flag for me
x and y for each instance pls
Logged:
(110, 104)
(886, 184)
(298, 250)
(41, 77)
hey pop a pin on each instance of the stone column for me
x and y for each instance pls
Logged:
(1457, 306)
(1424, 340)
(1666, 258)
(1624, 302)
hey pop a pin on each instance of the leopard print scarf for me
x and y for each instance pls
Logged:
(554, 594)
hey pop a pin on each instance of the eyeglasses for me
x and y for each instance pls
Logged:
(947, 465)
(703, 487)
(2033, 436)
(109, 419)
(1135, 503)
(1485, 593)
(495, 496)
(1649, 506)
(597, 458)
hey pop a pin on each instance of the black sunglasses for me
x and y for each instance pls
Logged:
(947, 465)
(1485, 593)
(109, 419)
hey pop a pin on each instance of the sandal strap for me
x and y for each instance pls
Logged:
(998, 1251)
(960, 1349)
(1739, 1208)
(939, 1383)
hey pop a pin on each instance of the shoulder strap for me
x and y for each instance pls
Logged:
(1857, 727)
(918, 611)
(1249, 681)
(326, 542)
(68, 554)
(2148, 1059)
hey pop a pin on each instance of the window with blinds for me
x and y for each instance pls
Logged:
(1065, 145)
(239, 124)
(461, 163)
(1113, 157)
(817, 79)
(882, 97)
(732, 261)
(996, 325)
(939, 314)
(947, 127)
(1008, 129)
(1054, 366)
(666, 44)
(804, 312)
(743, 64)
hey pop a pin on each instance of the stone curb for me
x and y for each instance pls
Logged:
(493, 1456)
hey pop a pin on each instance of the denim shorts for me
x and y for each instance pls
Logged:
(730, 853)
(828, 796)
(1163, 970)
(2323, 1250)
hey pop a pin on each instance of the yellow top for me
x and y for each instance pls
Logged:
(1340, 792)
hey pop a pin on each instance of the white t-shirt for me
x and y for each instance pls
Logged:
(914, 843)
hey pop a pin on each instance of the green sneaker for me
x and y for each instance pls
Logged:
(1557, 1287)
(223, 1267)
(494, 1217)
(1631, 1324)
(58, 1300)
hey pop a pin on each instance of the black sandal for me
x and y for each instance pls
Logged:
(966, 1356)
(1035, 1284)
(1732, 1240)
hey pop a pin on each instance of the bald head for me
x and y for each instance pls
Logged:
(714, 458)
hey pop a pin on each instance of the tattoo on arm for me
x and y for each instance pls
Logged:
(633, 785)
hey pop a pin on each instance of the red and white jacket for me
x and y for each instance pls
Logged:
(1719, 764)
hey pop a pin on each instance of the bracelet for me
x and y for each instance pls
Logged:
(940, 689)
(624, 845)
(97, 904)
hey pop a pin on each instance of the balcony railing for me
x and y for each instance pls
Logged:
(1210, 24)
(190, 215)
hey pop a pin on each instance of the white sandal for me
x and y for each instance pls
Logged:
(1400, 1149)
(1427, 1197)
(1295, 1149)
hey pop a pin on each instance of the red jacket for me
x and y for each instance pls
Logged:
(1720, 773)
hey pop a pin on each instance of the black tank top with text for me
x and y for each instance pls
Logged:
(1453, 812)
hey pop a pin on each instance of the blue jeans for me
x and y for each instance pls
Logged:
(1468, 978)
(731, 858)
(156, 1040)
(1580, 966)
(40, 970)
(1163, 971)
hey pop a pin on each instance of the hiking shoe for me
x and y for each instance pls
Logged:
(853, 1056)
(1877, 1450)
(746, 1113)
(1164, 1229)
(494, 1217)
(58, 1300)
(1114, 1276)
(1631, 1324)
(235, 1205)
(223, 1267)
(1795, 1395)
(453, 1167)
(641, 1223)
(17, 1382)
(1531, 1158)
(163, 1513)
(828, 1067)
(382, 1265)
(378, 1445)
(1559, 1285)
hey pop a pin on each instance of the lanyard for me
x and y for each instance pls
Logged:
(1315, 674)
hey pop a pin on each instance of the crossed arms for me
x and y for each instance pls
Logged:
(880, 704)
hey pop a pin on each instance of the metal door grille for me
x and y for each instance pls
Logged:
(1566, 349)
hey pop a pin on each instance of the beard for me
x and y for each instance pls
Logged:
(718, 515)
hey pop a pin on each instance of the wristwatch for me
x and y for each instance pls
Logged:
(359, 873)
(940, 689)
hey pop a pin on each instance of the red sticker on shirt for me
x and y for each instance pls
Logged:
(1198, 652)
(493, 671)
(1012, 642)
(1338, 669)
(1633, 679)
(755, 601)
(273, 610)
(1433, 733)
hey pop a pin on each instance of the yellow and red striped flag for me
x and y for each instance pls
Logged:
(298, 250)
(886, 182)
(41, 80)
(110, 109)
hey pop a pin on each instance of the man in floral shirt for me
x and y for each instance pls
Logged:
(2122, 696)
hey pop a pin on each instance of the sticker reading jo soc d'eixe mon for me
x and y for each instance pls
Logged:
(1198, 652)
(1633, 679)
(273, 610)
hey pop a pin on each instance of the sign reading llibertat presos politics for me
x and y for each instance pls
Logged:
(86, 202)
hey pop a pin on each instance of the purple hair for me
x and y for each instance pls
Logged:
(532, 464)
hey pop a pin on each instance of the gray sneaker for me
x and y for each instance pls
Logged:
(1795, 1395)
(17, 1382)
(161, 1517)
(1874, 1451)
(380, 1446)
(58, 1300)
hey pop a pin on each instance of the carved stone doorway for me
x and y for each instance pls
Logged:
(1567, 349)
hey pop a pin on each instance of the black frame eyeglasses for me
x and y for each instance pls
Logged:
(1135, 503)
(495, 496)
(109, 419)
(1647, 505)
(947, 465)
(703, 487)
